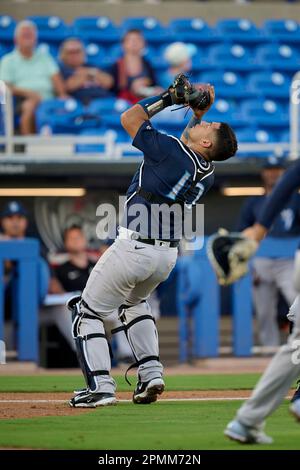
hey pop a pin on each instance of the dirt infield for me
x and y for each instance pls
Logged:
(29, 405)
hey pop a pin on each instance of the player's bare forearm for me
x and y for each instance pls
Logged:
(195, 119)
(133, 118)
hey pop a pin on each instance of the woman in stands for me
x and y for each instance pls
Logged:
(134, 77)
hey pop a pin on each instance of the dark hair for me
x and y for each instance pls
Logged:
(132, 30)
(69, 229)
(225, 144)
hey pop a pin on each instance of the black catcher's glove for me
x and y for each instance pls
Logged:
(183, 92)
(229, 255)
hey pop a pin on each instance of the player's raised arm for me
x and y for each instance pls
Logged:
(180, 92)
(275, 202)
(199, 113)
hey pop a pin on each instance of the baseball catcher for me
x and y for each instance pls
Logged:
(174, 173)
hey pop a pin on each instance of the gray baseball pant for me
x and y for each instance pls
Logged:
(125, 274)
(274, 275)
(277, 378)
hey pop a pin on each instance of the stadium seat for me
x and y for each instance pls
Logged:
(285, 136)
(254, 136)
(248, 135)
(64, 117)
(239, 30)
(107, 106)
(285, 31)
(194, 30)
(151, 28)
(96, 29)
(51, 29)
(265, 113)
(233, 57)
(49, 48)
(269, 84)
(91, 148)
(3, 50)
(7, 28)
(95, 55)
(170, 119)
(228, 84)
(225, 111)
(281, 57)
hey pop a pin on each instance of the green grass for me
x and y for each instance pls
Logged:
(67, 383)
(169, 425)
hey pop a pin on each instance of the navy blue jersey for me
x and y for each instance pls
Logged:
(285, 224)
(284, 188)
(169, 170)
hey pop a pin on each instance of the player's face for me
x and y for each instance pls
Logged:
(75, 241)
(14, 226)
(203, 132)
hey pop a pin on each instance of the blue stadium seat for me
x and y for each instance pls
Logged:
(285, 30)
(151, 28)
(269, 84)
(108, 106)
(109, 111)
(225, 111)
(7, 28)
(51, 29)
(228, 84)
(3, 50)
(169, 119)
(194, 30)
(233, 57)
(64, 117)
(51, 49)
(96, 29)
(254, 135)
(95, 55)
(239, 30)
(281, 57)
(265, 113)
(285, 136)
(91, 148)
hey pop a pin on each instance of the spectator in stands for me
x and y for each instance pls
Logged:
(133, 75)
(72, 275)
(31, 74)
(272, 276)
(178, 55)
(82, 82)
(14, 221)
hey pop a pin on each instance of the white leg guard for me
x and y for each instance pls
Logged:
(142, 336)
(92, 349)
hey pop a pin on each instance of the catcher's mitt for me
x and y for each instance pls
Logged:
(183, 92)
(229, 254)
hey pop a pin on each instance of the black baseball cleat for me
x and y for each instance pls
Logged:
(147, 392)
(92, 400)
(296, 395)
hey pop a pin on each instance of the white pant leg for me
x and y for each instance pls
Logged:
(274, 384)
